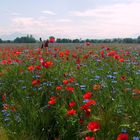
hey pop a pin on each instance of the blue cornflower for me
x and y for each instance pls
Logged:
(98, 60)
(115, 73)
(83, 87)
(5, 113)
(123, 130)
(111, 76)
(6, 119)
(36, 76)
(97, 77)
(138, 72)
(44, 83)
(85, 101)
(136, 138)
(23, 87)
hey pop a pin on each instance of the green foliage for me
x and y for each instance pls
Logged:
(26, 39)
(31, 39)
(1, 40)
(34, 119)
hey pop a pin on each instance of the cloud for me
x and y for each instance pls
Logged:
(40, 26)
(25, 21)
(117, 20)
(108, 21)
(15, 14)
(106, 11)
(48, 12)
(64, 20)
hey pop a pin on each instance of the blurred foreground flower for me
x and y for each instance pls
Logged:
(122, 136)
(93, 126)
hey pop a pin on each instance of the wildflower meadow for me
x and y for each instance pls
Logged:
(81, 92)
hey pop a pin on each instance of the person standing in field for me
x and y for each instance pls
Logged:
(40, 39)
(44, 44)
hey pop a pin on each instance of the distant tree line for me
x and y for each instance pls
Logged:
(24, 39)
(31, 39)
(115, 40)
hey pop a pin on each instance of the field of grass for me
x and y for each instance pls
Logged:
(70, 92)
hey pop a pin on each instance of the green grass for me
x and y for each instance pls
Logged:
(25, 110)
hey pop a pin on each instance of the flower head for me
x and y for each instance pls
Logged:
(122, 136)
(93, 126)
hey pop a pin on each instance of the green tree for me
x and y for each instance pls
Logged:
(1, 40)
(138, 39)
(76, 41)
(128, 40)
(25, 39)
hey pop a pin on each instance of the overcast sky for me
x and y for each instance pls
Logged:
(71, 18)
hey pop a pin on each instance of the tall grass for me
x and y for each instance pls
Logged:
(37, 87)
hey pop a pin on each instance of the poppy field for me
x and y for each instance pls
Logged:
(81, 92)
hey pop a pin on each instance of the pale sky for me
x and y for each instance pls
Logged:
(71, 18)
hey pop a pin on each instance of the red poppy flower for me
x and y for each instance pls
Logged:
(78, 61)
(72, 104)
(67, 52)
(93, 126)
(116, 56)
(87, 95)
(71, 112)
(35, 82)
(102, 54)
(74, 55)
(61, 54)
(59, 88)
(123, 78)
(3, 98)
(47, 64)
(31, 68)
(89, 138)
(107, 49)
(122, 136)
(38, 67)
(52, 40)
(4, 62)
(69, 88)
(121, 60)
(89, 103)
(111, 53)
(86, 56)
(17, 53)
(65, 81)
(87, 43)
(52, 100)
(71, 79)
